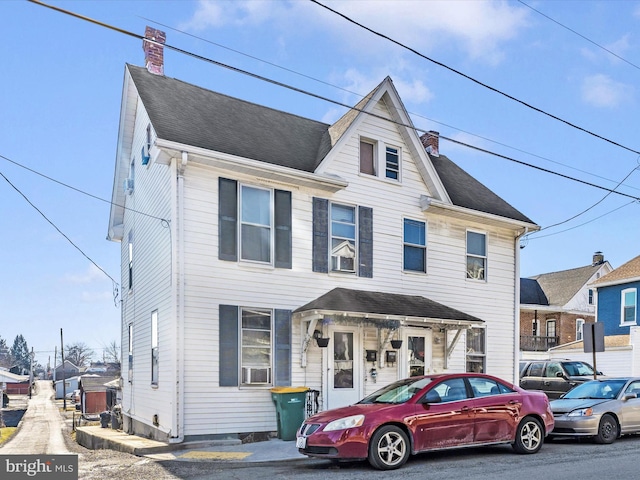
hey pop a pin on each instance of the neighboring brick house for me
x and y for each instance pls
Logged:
(554, 306)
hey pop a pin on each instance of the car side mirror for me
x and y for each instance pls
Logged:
(629, 396)
(560, 374)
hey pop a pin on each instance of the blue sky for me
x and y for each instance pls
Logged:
(61, 88)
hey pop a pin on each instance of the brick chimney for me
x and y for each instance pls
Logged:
(430, 141)
(598, 258)
(154, 50)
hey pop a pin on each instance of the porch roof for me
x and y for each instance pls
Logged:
(384, 306)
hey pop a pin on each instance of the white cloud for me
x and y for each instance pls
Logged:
(477, 27)
(602, 91)
(91, 275)
(213, 13)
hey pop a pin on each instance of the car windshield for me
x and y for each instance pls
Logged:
(578, 369)
(605, 389)
(398, 392)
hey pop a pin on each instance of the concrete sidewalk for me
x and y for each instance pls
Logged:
(95, 437)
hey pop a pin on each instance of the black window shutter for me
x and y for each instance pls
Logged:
(365, 242)
(282, 200)
(228, 352)
(227, 219)
(320, 235)
(282, 362)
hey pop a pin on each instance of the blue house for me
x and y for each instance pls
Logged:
(617, 298)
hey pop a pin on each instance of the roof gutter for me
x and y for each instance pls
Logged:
(165, 150)
(516, 304)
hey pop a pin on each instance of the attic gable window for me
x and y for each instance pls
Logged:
(367, 157)
(392, 163)
(476, 255)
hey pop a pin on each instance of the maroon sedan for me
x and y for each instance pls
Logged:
(428, 413)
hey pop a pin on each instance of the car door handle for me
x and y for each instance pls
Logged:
(513, 402)
(465, 409)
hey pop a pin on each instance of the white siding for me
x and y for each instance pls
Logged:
(209, 282)
(149, 202)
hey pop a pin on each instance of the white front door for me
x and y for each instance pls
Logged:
(344, 367)
(416, 352)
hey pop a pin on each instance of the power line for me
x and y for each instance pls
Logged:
(320, 97)
(81, 191)
(478, 82)
(362, 96)
(580, 35)
(56, 227)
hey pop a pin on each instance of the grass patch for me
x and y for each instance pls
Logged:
(6, 433)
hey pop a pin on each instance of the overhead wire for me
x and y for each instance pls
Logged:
(57, 228)
(474, 80)
(580, 35)
(360, 95)
(320, 97)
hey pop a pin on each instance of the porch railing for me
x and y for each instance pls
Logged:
(535, 343)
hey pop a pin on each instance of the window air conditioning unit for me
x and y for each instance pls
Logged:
(145, 154)
(128, 186)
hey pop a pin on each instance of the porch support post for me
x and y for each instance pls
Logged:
(313, 321)
(448, 349)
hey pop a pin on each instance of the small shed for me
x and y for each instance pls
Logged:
(14, 384)
(93, 394)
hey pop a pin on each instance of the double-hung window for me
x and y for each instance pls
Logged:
(551, 328)
(130, 264)
(579, 328)
(254, 224)
(476, 255)
(130, 341)
(343, 238)
(415, 246)
(628, 306)
(154, 347)
(255, 346)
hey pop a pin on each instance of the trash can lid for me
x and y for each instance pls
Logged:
(289, 389)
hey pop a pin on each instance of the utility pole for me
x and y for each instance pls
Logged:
(31, 371)
(64, 377)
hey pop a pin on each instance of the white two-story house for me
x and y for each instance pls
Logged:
(251, 236)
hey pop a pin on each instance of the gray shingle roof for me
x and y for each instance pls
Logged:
(560, 287)
(531, 293)
(359, 301)
(192, 115)
(466, 191)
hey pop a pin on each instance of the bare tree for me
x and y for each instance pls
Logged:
(79, 354)
(112, 352)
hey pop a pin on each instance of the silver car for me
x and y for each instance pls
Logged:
(603, 409)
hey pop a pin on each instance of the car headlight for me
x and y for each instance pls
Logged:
(583, 412)
(346, 422)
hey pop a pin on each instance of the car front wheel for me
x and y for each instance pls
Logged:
(529, 436)
(607, 430)
(389, 448)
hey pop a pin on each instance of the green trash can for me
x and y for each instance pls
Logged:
(290, 408)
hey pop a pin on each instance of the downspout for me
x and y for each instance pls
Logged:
(179, 299)
(516, 308)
